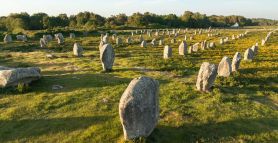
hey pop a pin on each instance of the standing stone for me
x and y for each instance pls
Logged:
(153, 42)
(8, 38)
(206, 77)
(119, 41)
(185, 38)
(72, 35)
(43, 43)
(141, 39)
(225, 67)
(190, 50)
(248, 55)
(195, 47)
(60, 38)
(211, 45)
(221, 41)
(255, 49)
(128, 40)
(107, 57)
(167, 52)
(173, 41)
(236, 62)
(21, 38)
(105, 39)
(139, 108)
(144, 44)
(183, 48)
(77, 50)
(161, 42)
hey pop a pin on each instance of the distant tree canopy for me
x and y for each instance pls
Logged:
(88, 20)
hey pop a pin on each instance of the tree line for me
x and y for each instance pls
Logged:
(90, 21)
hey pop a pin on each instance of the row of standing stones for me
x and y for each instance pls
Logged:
(139, 104)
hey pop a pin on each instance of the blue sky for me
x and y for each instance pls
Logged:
(248, 8)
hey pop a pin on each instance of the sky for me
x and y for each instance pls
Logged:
(247, 8)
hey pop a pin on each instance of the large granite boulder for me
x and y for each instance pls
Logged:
(14, 76)
(225, 67)
(206, 77)
(107, 57)
(139, 108)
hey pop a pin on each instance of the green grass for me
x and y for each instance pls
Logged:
(241, 108)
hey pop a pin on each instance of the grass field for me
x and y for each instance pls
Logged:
(241, 108)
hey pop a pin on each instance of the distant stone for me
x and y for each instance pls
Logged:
(173, 41)
(107, 57)
(161, 42)
(77, 50)
(144, 44)
(249, 54)
(167, 52)
(195, 47)
(255, 49)
(50, 56)
(206, 77)
(119, 41)
(14, 76)
(21, 38)
(43, 43)
(225, 67)
(221, 41)
(153, 42)
(105, 39)
(236, 62)
(60, 38)
(72, 35)
(57, 87)
(8, 38)
(211, 45)
(128, 40)
(139, 108)
(183, 48)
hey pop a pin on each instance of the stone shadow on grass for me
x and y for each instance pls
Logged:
(12, 130)
(213, 132)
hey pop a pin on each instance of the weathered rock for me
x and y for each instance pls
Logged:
(195, 47)
(167, 52)
(248, 55)
(43, 43)
(144, 44)
(139, 107)
(236, 62)
(173, 41)
(21, 38)
(211, 45)
(72, 35)
(119, 41)
(77, 50)
(221, 41)
(161, 42)
(128, 40)
(47, 38)
(183, 48)
(153, 42)
(206, 77)
(255, 49)
(8, 38)
(107, 57)
(60, 38)
(105, 39)
(14, 76)
(225, 67)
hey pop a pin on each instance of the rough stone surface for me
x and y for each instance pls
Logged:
(139, 108)
(107, 57)
(206, 77)
(225, 67)
(21, 38)
(43, 43)
(167, 52)
(14, 76)
(248, 55)
(236, 62)
(77, 50)
(183, 48)
(144, 44)
(8, 38)
(119, 41)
